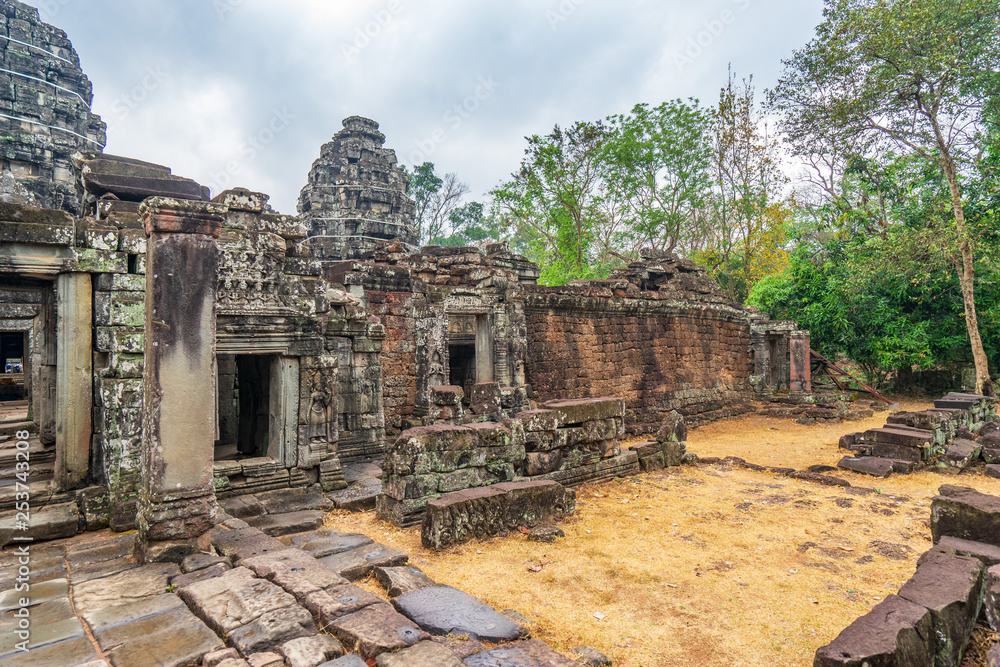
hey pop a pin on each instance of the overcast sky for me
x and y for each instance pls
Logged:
(244, 92)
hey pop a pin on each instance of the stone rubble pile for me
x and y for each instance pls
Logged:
(931, 618)
(942, 438)
(570, 442)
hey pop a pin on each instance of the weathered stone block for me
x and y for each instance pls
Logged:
(401, 580)
(337, 601)
(673, 429)
(358, 563)
(295, 571)
(376, 629)
(234, 599)
(272, 629)
(443, 610)
(895, 632)
(424, 654)
(951, 588)
(530, 652)
(966, 514)
(875, 466)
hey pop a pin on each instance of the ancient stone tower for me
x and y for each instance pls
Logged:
(45, 111)
(356, 195)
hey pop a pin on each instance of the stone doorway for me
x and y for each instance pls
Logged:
(13, 361)
(244, 401)
(462, 365)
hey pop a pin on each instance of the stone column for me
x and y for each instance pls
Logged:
(799, 370)
(283, 411)
(74, 378)
(177, 500)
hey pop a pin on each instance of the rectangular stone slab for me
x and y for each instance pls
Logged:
(424, 654)
(967, 514)
(272, 629)
(401, 580)
(326, 542)
(443, 610)
(358, 563)
(895, 632)
(951, 587)
(528, 653)
(337, 601)
(988, 554)
(124, 587)
(295, 571)
(288, 523)
(869, 465)
(244, 543)
(234, 599)
(376, 629)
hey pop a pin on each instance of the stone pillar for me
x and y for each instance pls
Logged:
(177, 500)
(44, 390)
(799, 370)
(74, 378)
(484, 349)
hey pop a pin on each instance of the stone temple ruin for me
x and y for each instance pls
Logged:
(177, 350)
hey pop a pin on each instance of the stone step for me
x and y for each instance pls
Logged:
(11, 428)
(359, 497)
(878, 467)
(41, 492)
(965, 513)
(46, 522)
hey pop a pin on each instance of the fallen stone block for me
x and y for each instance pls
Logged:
(967, 514)
(376, 629)
(877, 467)
(960, 455)
(443, 610)
(358, 563)
(987, 554)
(951, 588)
(234, 599)
(271, 629)
(288, 523)
(402, 580)
(424, 654)
(894, 632)
(993, 470)
(591, 657)
(326, 542)
(530, 652)
(493, 510)
(991, 597)
(266, 659)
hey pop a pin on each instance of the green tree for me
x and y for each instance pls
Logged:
(658, 161)
(553, 201)
(747, 211)
(436, 198)
(915, 74)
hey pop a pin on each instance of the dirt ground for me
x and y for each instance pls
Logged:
(706, 565)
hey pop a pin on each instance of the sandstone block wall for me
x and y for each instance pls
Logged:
(657, 354)
(570, 442)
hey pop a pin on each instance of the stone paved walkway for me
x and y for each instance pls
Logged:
(284, 599)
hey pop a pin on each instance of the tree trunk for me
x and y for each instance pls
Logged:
(966, 277)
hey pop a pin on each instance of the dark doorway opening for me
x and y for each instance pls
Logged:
(462, 366)
(12, 361)
(244, 406)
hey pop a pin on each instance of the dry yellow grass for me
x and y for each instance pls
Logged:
(704, 565)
